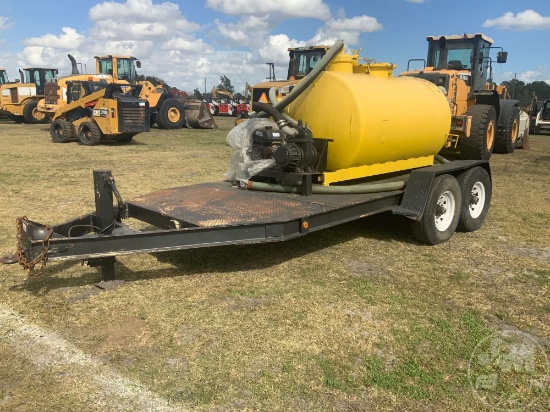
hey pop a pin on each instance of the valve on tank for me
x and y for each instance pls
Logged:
(292, 153)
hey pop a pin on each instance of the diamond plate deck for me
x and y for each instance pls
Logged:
(220, 204)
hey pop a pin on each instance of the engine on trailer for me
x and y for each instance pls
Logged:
(292, 152)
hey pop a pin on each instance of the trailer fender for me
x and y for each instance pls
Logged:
(415, 198)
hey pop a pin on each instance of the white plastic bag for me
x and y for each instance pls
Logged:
(241, 166)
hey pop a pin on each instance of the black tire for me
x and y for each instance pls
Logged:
(125, 137)
(480, 144)
(61, 131)
(171, 114)
(89, 134)
(506, 138)
(476, 189)
(440, 218)
(17, 119)
(32, 115)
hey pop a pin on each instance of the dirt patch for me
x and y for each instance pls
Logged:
(536, 253)
(121, 332)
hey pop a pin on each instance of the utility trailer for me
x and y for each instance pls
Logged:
(437, 198)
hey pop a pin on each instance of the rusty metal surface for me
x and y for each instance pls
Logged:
(220, 204)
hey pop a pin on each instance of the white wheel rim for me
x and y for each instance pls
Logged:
(477, 200)
(445, 211)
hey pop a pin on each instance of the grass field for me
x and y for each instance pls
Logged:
(359, 317)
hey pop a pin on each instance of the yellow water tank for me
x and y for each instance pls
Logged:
(374, 120)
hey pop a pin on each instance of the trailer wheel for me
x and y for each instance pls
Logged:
(480, 144)
(60, 131)
(89, 134)
(440, 218)
(171, 114)
(476, 188)
(506, 140)
(32, 115)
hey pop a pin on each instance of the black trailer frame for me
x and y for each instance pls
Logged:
(210, 214)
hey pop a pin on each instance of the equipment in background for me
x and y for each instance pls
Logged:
(222, 103)
(542, 122)
(97, 112)
(19, 100)
(484, 118)
(167, 111)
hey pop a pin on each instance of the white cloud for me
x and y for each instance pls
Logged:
(138, 19)
(39, 56)
(69, 39)
(524, 21)
(250, 31)
(5, 23)
(276, 50)
(316, 9)
(347, 29)
(190, 44)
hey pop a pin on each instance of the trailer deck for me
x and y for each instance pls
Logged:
(221, 204)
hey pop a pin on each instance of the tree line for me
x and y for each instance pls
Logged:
(524, 91)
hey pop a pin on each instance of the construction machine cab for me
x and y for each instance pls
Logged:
(38, 76)
(468, 54)
(303, 60)
(120, 67)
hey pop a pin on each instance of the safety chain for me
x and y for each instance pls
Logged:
(41, 258)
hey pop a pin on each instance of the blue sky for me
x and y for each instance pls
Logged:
(188, 43)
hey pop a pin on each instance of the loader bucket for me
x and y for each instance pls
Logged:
(198, 116)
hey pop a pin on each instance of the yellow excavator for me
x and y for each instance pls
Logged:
(166, 111)
(19, 100)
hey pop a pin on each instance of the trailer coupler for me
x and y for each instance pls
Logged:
(44, 233)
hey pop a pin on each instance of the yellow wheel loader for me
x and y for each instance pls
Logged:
(484, 118)
(165, 110)
(98, 111)
(19, 100)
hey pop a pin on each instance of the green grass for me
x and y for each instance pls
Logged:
(357, 317)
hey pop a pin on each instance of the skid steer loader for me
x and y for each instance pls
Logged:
(98, 111)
